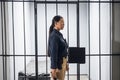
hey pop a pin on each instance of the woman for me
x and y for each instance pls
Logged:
(57, 49)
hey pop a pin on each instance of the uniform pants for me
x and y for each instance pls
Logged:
(61, 73)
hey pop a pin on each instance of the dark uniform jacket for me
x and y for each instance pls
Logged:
(57, 49)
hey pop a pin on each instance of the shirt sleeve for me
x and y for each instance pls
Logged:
(54, 52)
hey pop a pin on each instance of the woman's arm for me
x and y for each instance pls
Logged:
(54, 55)
(54, 52)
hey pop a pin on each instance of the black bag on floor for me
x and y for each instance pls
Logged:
(22, 76)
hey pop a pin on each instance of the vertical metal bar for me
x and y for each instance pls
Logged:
(68, 32)
(78, 39)
(5, 38)
(13, 37)
(110, 40)
(46, 35)
(99, 40)
(24, 37)
(56, 8)
(36, 46)
(89, 34)
(2, 38)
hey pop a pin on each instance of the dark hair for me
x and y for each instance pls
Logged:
(55, 19)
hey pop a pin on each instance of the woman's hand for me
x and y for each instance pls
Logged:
(53, 73)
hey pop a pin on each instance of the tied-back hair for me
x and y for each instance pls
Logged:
(55, 19)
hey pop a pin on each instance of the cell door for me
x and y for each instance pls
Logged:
(44, 13)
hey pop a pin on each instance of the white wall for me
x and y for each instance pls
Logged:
(1, 65)
(18, 33)
(94, 39)
(104, 40)
(19, 37)
(83, 10)
(32, 28)
(0, 45)
(1, 59)
(1, 69)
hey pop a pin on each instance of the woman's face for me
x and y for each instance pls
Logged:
(60, 24)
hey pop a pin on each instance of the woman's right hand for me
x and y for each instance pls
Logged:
(53, 73)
